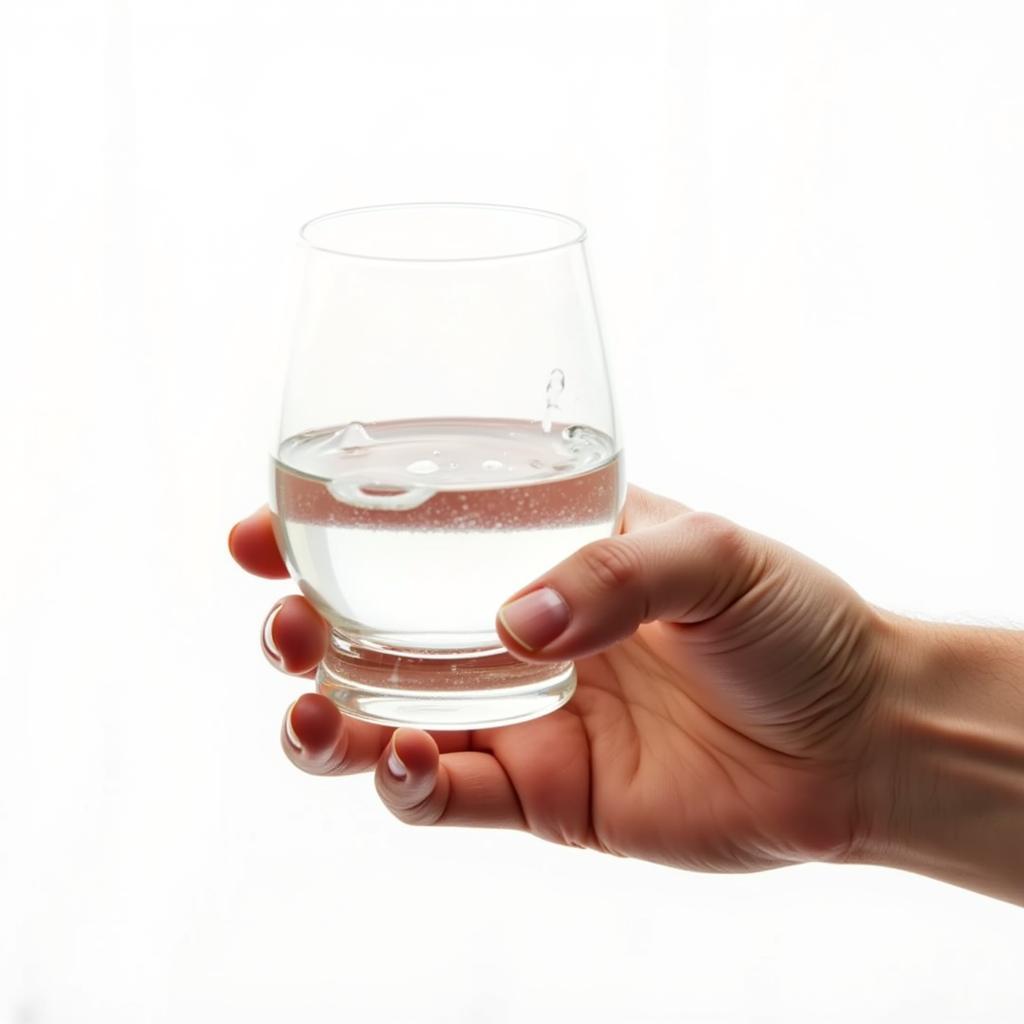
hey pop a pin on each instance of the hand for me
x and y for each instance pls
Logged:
(727, 695)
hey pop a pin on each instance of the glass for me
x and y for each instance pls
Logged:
(447, 435)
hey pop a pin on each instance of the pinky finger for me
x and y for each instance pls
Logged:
(421, 787)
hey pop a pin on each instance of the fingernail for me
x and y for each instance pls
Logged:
(289, 729)
(537, 618)
(269, 647)
(395, 765)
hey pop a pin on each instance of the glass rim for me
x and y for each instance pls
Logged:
(579, 232)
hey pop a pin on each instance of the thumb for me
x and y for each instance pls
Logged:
(686, 570)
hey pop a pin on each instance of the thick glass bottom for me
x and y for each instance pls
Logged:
(471, 691)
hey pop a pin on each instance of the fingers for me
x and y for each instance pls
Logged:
(320, 740)
(294, 637)
(421, 787)
(687, 570)
(254, 547)
(418, 783)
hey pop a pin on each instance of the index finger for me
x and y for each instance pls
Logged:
(254, 547)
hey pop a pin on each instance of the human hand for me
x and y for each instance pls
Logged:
(727, 701)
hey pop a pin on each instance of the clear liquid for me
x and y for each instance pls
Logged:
(409, 534)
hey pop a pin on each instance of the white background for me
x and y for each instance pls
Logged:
(807, 226)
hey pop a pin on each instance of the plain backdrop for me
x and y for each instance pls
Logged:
(807, 228)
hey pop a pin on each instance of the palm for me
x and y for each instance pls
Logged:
(637, 765)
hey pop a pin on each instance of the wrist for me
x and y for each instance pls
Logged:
(942, 790)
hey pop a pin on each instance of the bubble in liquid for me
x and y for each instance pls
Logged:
(491, 464)
(423, 466)
(352, 435)
(583, 444)
(350, 439)
(381, 496)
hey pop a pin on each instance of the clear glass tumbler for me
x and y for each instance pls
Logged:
(447, 434)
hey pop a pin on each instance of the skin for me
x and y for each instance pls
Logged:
(738, 708)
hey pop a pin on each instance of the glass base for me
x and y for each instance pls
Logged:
(449, 691)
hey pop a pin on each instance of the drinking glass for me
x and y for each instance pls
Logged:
(447, 435)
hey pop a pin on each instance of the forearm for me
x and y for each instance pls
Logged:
(943, 793)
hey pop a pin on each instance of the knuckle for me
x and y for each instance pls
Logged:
(420, 814)
(720, 536)
(307, 765)
(612, 564)
(416, 816)
(425, 811)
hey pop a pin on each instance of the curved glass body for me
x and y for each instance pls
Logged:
(447, 434)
